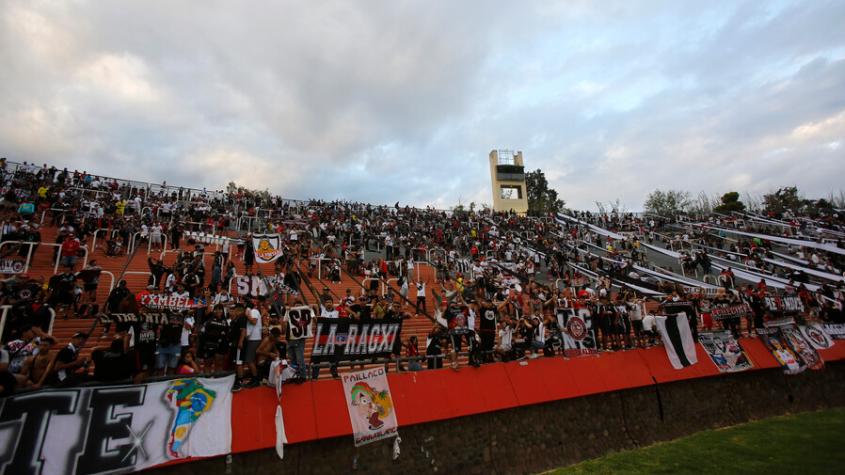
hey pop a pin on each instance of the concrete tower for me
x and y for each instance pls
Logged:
(507, 175)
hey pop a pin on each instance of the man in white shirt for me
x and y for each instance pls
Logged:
(421, 307)
(253, 339)
(187, 330)
(155, 235)
(505, 339)
(328, 310)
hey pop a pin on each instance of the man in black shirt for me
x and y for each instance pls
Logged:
(169, 347)
(112, 363)
(114, 303)
(143, 341)
(68, 362)
(237, 337)
(214, 341)
(489, 314)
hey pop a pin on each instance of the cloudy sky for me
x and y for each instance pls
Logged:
(392, 100)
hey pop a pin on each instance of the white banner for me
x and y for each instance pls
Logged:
(817, 337)
(115, 429)
(370, 405)
(268, 247)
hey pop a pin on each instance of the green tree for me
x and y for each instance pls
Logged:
(541, 198)
(668, 203)
(783, 200)
(730, 202)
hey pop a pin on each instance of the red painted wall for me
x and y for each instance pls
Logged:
(318, 410)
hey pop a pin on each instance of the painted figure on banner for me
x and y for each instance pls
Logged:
(191, 400)
(370, 406)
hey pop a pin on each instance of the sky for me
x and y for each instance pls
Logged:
(385, 101)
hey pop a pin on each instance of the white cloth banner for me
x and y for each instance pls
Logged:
(268, 247)
(677, 338)
(279, 373)
(115, 429)
(371, 409)
(815, 334)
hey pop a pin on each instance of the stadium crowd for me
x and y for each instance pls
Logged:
(503, 289)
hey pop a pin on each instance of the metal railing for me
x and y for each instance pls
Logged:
(138, 272)
(44, 214)
(59, 255)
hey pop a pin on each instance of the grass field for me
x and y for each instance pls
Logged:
(806, 443)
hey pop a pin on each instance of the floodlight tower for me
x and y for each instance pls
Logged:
(507, 175)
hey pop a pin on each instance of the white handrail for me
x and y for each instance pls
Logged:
(52, 321)
(44, 213)
(94, 241)
(111, 284)
(150, 243)
(138, 272)
(59, 256)
(3, 317)
(386, 283)
(367, 279)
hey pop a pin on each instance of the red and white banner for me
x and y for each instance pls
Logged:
(170, 302)
(370, 406)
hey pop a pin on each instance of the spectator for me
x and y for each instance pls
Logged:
(111, 363)
(70, 369)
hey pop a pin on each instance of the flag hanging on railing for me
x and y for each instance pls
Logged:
(370, 406)
(677, 339)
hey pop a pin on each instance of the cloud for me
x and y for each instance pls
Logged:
(400, 101)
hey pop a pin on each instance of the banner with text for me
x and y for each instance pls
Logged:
(784, 305)
(170, 302)
(579, 337)
(726, 312)
(115, 429)
(371, 409)
(835, 330)
(341, 339)
(153, 318)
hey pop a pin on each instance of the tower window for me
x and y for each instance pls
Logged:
(510, 192)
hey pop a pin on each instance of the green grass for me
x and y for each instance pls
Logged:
(806, 443)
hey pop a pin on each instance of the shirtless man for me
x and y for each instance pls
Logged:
(38, 368)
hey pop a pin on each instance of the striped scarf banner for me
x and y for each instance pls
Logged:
(677, 338)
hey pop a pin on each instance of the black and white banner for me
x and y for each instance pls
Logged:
(579, 337)
(726, 312)
(784, 305)
(299, 322)
(835, 330)
(153, 318)
(677, 338)
(12, 266)
(115, 429)
(341, 339)
(816, 336)
(252, 285)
